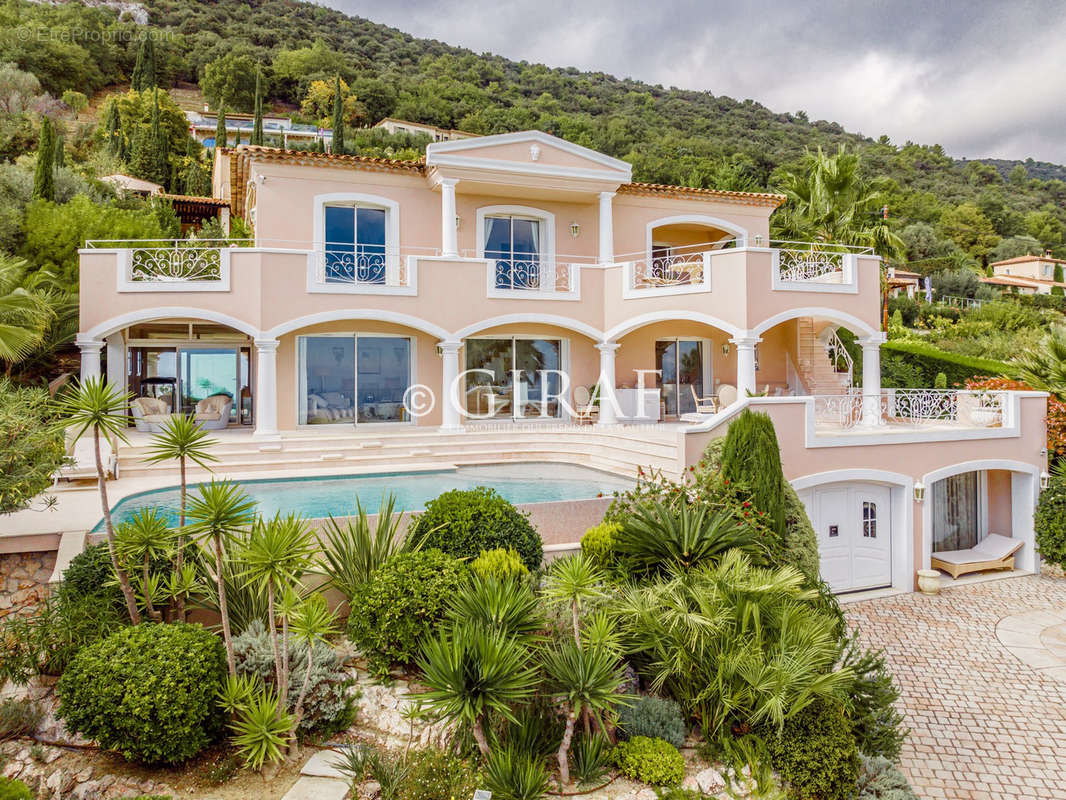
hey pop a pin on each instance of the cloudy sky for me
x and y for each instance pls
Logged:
(984, 79)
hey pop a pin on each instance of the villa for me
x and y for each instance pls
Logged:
(520, 298)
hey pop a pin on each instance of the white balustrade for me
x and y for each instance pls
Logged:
(913, 407)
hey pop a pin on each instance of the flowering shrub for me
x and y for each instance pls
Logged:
(1056, 409)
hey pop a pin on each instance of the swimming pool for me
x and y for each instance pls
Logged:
(316, 497)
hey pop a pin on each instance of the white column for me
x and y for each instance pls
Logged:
(116, 361)
(450, 417)
(871, 379)
(449, 239)
(266, 389)
(606, 228)
(745, 364)
(90, 357)
(608, 402)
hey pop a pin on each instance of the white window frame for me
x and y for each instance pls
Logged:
(547, 240)
(316, 275)
(564, 367)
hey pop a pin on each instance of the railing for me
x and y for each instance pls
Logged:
(171, 261)
(347, 266)
(912, 407)
(837, 354)
(525, 273)
(682, 266)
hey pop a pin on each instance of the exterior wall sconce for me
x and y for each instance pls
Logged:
(758, 240)
(919, 492)
(1045, 480)
(458, 222)
(725, 349)
(575, 229)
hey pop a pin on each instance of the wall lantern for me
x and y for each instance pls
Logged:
(575, 229)
(758, 240)
(725, 349)
(458, 221)
(919, 492)
(1045, 480)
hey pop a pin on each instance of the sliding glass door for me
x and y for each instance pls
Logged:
(682, 373)
(183, 375)
(353, 378)
(513, 378)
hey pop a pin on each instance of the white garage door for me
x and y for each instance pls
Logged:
(852, 521)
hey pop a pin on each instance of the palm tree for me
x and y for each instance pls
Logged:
(184, 440)
(1044, 368)
(145, 537)
(311, 624)
(571, 581)
(220, 511)
(830, 202)
(25, 313)
(93, 405)
(277, 554)
(472, 672)
(586, 684)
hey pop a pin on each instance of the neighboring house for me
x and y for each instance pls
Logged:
(901, 282)
(276, 130)
(1026, 274)
(128, 185)
(422, 129)
(397, 315)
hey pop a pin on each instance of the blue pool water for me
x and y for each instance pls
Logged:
(324, 496)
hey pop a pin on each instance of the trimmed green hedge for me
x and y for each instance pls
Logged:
(914, 365)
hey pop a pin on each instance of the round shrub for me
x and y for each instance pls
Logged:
(1050, 523)
(401, 604)
(90, 573)
(652, 761)
(654, 717)
(147, 692)
(815, 753)
(462, 523)
(11, 789)
(500, 564)
(598, 543)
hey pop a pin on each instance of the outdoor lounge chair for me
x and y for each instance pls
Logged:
(83, 464)
(704, 405)
(586, 408)
(992, 552)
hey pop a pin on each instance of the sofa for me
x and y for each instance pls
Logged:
(149, 413)
(212, 413)
(327, 407)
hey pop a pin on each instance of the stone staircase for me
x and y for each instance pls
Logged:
(815, 367)
(620, 450)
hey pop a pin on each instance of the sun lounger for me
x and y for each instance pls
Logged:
(992, 552)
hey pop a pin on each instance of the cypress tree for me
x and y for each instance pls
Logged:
(338, 117)
(257, 124)
(751, 458)
(159, 145)
(144, 69)
(1058, 273)
(59, 157)
(113, 130)
(44, 179)
(220, 127)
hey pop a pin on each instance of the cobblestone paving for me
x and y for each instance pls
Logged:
(983, 724)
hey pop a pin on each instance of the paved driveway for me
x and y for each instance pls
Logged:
(984, 722)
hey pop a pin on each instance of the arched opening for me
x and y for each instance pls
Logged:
(675, 247)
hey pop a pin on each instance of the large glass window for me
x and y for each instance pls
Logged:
(681, 364)
(515, 378)
(182, 376)
(348, 379)
(355, 244)
(207, 372)
(956, 512)
(153, 372)
(514, 242)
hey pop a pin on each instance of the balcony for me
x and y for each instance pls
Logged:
(909, 408)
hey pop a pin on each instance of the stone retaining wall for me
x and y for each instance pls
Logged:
(24, 580)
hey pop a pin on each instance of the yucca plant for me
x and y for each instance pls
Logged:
(312, 623)
(732, 641)
(220, 511)
(276, 555)
(471, 673)
(262, 729)
(146, 536)
(591, 755)
(354, 550)
(511, 774)
(573, 581)
(586, 683)
(657, 538)
(182, 439)
(96, 406)
(508, 606)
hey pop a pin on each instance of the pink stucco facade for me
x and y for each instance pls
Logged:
(625, 277)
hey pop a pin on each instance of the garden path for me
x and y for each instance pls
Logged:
(983, 691)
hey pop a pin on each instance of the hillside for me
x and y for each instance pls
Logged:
(670, 135)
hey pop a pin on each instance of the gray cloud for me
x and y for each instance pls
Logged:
(984, 79)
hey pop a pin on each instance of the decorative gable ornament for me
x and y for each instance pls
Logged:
(534, 152)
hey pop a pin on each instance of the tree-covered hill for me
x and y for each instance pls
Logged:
(968, 212)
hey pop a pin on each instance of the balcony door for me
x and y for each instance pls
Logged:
(515, 244)
(685, 367)
(513, 378)
(355, 244)
(354, 378)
